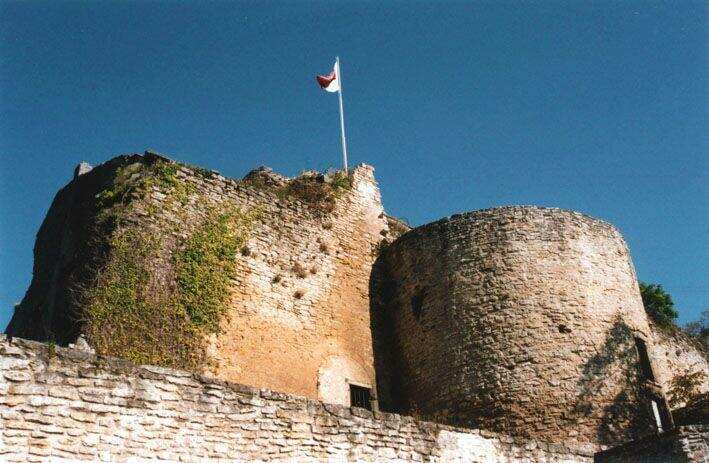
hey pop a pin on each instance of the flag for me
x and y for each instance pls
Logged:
(330, 82)
(333, 83)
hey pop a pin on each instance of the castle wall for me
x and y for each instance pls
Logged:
(677, 356)
(684, 444)
(61, 252)
(298, 320)
(517, 319)
(60, 405)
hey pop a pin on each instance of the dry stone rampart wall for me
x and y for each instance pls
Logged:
(62, 405)
(684, 444)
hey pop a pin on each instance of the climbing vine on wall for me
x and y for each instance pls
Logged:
(206, 264)
(159, 294)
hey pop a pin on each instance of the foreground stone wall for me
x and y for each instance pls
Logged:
(62, 405)
(517, 319)
(298, 315)
(675, 356)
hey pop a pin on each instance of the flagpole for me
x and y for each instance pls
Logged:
(342, 115)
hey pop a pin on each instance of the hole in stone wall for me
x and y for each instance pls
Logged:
(417, 302)
(300, 270)
(360, 397)
(645, 365)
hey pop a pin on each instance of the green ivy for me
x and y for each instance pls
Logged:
(130, 315)
(206, 265)
(155, 299)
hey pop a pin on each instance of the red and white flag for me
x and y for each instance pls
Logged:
(330, 82)
(333, 83)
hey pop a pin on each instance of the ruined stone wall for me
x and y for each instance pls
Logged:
(61, 252)
(676, 355)
(685, 444)
(300, 311)
(298, 316)
(517, 319)
(61, 405)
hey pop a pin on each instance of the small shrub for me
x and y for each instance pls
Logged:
(340, 182)
(202, 172)
(276, 279)
(318, 191)
(298, 294)
(324, 248)
(327, 225)
(165, 174)
(658, 304)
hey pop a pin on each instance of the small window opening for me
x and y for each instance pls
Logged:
(417, 303)
(645, 365)
(360, 397)
(662, 414)
(656, 414)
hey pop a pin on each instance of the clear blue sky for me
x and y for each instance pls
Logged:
(600, 107)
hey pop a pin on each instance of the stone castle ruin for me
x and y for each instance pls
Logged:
(186, 299)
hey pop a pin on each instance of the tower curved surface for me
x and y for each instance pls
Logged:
(517, 319)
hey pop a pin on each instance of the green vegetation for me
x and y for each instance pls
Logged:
(320, 192)
(133, 316)
(136, 180)
(158, 294)
(126, 317)
(658, 304)
(206, 265)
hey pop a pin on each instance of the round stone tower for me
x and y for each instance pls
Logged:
(522, 320)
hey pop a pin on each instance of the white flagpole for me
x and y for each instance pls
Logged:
(338, 74)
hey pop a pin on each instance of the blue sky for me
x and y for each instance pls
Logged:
(600, 107)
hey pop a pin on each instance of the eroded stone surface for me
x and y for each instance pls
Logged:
(300, 296)
(61, 405)
(677, 355)
(516, 319)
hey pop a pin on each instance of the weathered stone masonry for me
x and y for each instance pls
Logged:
(675, 355)
(520, 320)
(517, 319)
(63, 405)
(298, 320)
